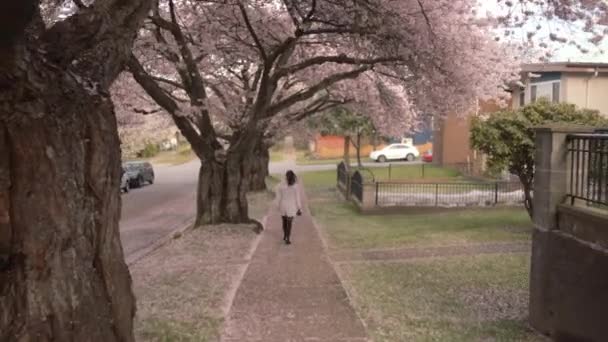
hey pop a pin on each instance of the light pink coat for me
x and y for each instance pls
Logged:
(289, 200)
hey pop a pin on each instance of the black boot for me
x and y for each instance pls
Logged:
(288, 235)
(285, 224)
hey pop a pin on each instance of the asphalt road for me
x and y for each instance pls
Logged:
(154, 211)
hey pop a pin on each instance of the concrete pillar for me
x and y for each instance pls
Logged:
(369, 196)
(550, 188)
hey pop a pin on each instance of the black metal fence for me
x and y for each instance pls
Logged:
(588, 163)
(450, 194)
(342, 175)
(356, 185)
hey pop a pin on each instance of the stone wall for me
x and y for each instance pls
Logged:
(569, 275)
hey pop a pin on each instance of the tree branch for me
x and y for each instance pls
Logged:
(167, 103)
(338, 59)
(251, 30)
(80, 4)
(313, 8)
(168, 81)
(337, 30)
(310, 92)
(146, 111)
(148, 83)
(321, 107)
(105, 26)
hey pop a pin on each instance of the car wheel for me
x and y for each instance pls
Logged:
(140, 181)
(151, 180)
(410, 157)
(126, 188)
(382, 159)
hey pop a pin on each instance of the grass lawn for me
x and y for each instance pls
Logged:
(277, 155)
(416, 172)
(319, 179)
(478, 298)
(481, 297)
(181, 287)
(346, 228)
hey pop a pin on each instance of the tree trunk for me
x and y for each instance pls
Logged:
(62, 272)
(358, 147)
(223, 184)
(347, 151)
(259, 167)
(374, 140)
(527, 185)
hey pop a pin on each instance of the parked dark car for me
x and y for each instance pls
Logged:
(124, 181)
(139, 173)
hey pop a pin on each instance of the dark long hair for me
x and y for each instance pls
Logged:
(290, 176)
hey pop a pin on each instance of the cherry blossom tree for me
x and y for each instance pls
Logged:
(140, 120)
(228, 70)
(62, 271)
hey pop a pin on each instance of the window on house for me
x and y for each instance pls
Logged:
(522, 97)
(556, 92)
(533, 93)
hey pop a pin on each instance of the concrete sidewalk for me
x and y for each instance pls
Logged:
(292, 292)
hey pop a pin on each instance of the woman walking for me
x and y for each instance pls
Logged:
(289, 204)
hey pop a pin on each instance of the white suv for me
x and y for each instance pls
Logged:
(395, 152)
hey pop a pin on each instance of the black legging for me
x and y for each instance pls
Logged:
(287, 221)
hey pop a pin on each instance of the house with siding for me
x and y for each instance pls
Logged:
(583, 84)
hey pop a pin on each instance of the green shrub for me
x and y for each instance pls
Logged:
(149, 151)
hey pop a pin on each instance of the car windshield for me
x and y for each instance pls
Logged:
(132, 166)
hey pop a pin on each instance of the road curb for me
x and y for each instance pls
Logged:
(142, 253)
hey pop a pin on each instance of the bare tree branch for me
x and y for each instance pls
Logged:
(311, 91)
(80, 4)
(140, 75)
(169, 82)
(252, 32)
(339, 59)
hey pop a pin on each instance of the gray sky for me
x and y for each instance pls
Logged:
(560, 51)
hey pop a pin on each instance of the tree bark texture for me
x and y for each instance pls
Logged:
(223, 185)
(62, 275)
(62, 271)
(347, 151)
(259, 167)
(358, 148)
